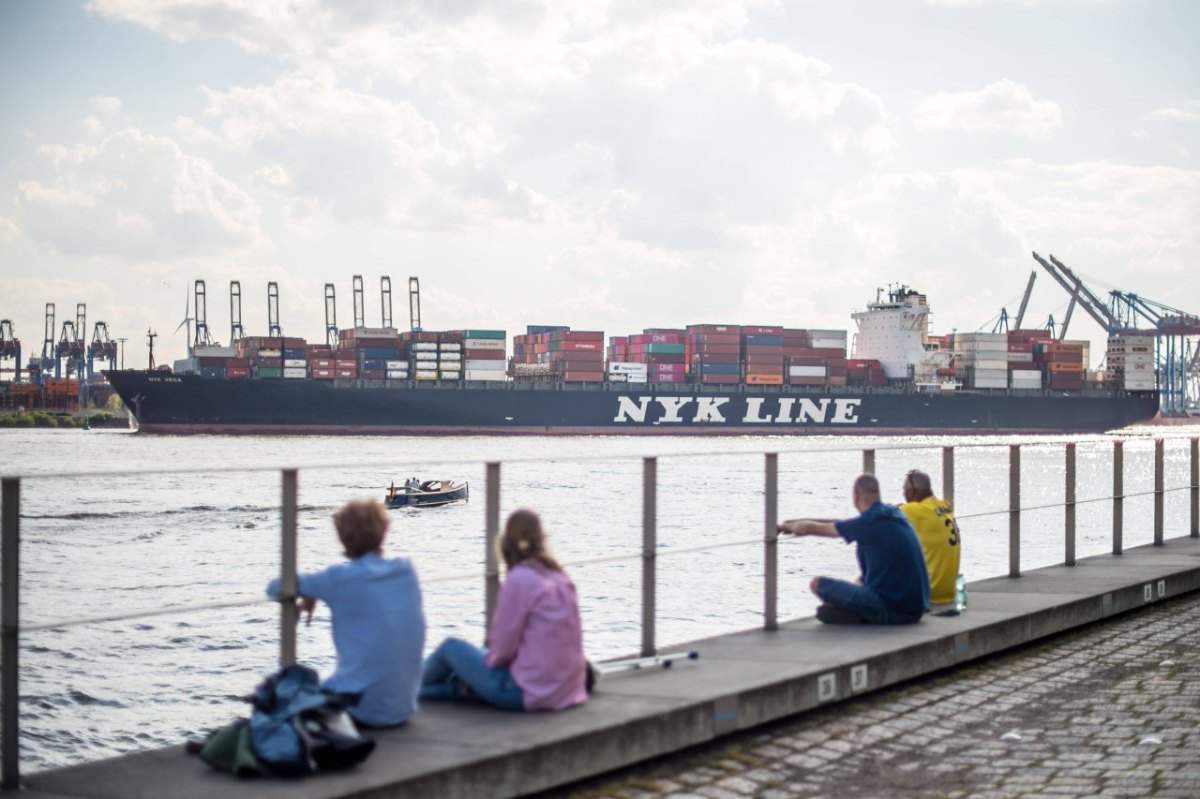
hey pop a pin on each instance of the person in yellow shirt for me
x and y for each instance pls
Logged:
(933, 519)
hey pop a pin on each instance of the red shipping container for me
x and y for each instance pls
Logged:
(666, 378)
(764, 361)
(717, 349)
(616, 341)
(483, 355)
(578, 335)
(718, 358)
(668, 368)
(577, 376)
(346, 372)
(322, 363)
(807, 381)
(572, 345)
(734, 330)
(764, 349)
(838, 381)
(762, 330)
(806, 360)
(723, 379)
(237, 371)
(322, 374)
(374, 374)
(716, 338)
(451, 337)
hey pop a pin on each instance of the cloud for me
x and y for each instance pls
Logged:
(1188, 111)
(137, 195)
(9, 230)
(1001, 107)
(107, 105)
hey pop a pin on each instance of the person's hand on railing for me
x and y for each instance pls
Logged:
(305, 605)
(820, 527)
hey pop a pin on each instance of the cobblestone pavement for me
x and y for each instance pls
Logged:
(1112, 710)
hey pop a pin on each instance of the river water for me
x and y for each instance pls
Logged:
(114, 523)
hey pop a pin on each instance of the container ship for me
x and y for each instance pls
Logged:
(703, 379)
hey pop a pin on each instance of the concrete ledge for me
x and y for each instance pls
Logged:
(741, 680)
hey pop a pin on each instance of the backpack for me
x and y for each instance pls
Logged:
(298, 727)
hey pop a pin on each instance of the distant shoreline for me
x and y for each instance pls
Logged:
(46, 419)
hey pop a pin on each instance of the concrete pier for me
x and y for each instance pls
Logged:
(740, 681)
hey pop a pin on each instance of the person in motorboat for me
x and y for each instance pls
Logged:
(534, 660)
(378, 619)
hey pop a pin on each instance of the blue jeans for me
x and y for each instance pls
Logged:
(861, 600)
(458, 670)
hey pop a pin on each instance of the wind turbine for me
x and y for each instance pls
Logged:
(187, 320)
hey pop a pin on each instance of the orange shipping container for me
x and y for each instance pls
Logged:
(764, 379)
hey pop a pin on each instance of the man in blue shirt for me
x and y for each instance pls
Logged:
(894, 588)
(378, 621)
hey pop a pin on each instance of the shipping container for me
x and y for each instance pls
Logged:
(268, 372)
(485, 374)
(764, 379)
(500, 335)
(476, 365)
(484, 344)
(396, 374)
(237, 371)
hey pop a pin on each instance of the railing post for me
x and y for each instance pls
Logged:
(491, 567)
(1014, 510)
(1118, 497)
(287, 572)
(1069, 505)
(649, 552)
(771, 544)
(10, 629)
(1158, 492)
(948, 475)
(868, 461)
(1195, 487)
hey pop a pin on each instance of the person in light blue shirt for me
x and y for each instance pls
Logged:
(378, 621)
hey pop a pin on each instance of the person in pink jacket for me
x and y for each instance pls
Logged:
(535, 657)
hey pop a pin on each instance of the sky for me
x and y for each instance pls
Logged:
(606, 164)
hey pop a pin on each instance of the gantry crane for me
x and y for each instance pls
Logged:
(10, 348)
(414, 304)
(331, 328)
(273, 328)
(235, 313)
(1177, 352)
(200, 306)
(103, 348)
(385, 301)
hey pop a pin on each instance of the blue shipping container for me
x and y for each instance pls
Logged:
(295, 354)
(213, 371)
(763, 340)
(375, 363)
(380, 353)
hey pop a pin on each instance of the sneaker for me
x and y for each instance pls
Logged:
(832, 614)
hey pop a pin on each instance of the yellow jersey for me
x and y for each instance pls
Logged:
(933, 519)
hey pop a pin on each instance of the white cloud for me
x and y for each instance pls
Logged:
(1188, 111)
(135, 194)
(107, 105)
(1001, 107)
(9, 230)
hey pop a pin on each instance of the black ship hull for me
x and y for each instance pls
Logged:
(166, 403)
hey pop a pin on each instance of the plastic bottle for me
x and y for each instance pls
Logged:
(960, 594)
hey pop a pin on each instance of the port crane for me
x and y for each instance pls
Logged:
(102, 348)
(235, 313)
(360, 313)
(10, 348)
(414, 304)
(200, 306)
(331, 328)
(273, 328)
(1176, 332)
(385, 301)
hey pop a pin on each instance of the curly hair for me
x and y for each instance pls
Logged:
(361, 525)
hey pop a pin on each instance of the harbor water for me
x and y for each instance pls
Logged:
(114, 523)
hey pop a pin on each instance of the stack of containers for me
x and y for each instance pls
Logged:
(264, 356)
(295, 359)
(373, 350)
(762, 355)
(1022, 371)
(984, 357)
(621, 366)
(577, 356)
(212, 361)
(714, 353)
(483, 354)
(865, 372)
(1130, 362)
(422, 348)
(1062, 363)
(657, 355)
(450, 355)
(832, 343)
(531, 353)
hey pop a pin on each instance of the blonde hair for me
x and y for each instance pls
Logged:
(523, 539)
(361, 525)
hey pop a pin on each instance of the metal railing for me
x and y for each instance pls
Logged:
(10, 492)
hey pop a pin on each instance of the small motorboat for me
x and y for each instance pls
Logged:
(425, 494)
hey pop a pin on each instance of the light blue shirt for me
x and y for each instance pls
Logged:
(378, 631)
